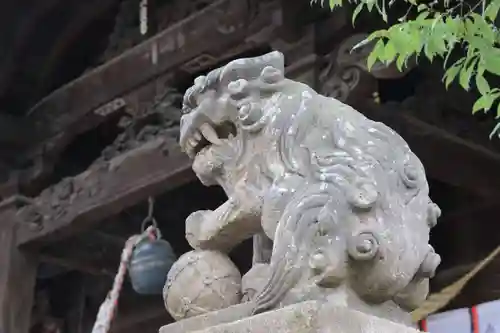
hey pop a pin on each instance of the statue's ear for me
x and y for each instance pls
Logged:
(251, 68)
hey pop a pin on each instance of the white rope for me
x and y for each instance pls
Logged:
(108, 308)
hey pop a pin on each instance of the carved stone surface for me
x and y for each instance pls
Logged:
(344, 200)
(201, 282)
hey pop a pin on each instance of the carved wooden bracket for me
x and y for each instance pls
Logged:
(103, 190)
(346, 71)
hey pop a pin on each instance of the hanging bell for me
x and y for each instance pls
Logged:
(150, 263)
(151, 260)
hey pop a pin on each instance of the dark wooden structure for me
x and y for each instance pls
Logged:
(88, 131)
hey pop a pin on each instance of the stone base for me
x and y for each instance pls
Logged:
(306, 317)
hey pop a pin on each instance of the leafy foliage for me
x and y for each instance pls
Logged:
(434, 30)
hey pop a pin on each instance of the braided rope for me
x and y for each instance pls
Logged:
(437, 301)
(108, 308)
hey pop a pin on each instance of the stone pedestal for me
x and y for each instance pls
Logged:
(305, 317)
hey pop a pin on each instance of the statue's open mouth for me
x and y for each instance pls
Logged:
(208, 135)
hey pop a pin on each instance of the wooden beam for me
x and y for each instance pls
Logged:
(17, 274)
(73, 108)
(124, 83)
(445, 156)
(77, 203)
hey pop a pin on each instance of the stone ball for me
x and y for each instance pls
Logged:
(199, 282)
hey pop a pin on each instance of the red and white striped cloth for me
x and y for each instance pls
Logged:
(483, 318)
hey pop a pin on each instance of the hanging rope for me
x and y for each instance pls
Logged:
(437, 301)
(143, 17)
(108, 308)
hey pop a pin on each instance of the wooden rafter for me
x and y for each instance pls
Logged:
(78, 203)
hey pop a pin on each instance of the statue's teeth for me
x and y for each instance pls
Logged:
(193, 142)
(210, 134)
(189, 147)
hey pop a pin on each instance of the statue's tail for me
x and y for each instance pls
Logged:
(291, 242)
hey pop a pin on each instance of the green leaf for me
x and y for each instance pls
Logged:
(483, 28)
(470, 27)
(414, 43)
(465, 75)
(478, 43)
(356, 12)
(422, 7)
(492, 61)
(428, 52)
(447, 57)
(489, 101)
(422, 16)
(335, 3)
(482, 85)
(400, 62)
(389, 53)
(384, 14)
(437, 44)
(370, 4)
(483, 103)
(375, 54)
(451, 74)
(452, 24)
(401, 39)
(377, 34)
(437, 20)
(491, 11)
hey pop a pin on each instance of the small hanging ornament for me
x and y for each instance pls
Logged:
(143, 16)
(151, 259)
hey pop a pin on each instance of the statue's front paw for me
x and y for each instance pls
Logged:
(195, 223)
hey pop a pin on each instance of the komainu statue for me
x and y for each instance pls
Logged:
(342, 200)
